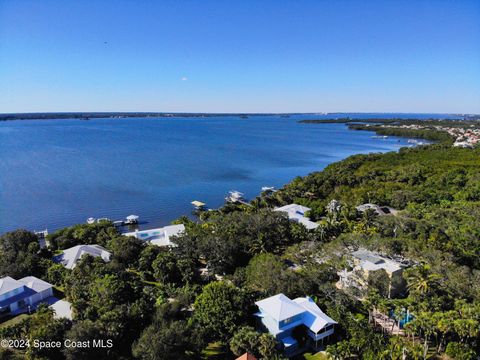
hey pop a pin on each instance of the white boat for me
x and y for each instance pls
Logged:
(268, 188)
(234, 196)
(102, 220)
(132, 219)
(91, 220)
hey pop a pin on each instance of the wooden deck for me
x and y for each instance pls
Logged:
(386, 324)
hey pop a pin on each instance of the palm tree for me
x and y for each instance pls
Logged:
(396, 348)
(371, 302)
(420, 279)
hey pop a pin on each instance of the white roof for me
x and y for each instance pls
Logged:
(296, 212)
(63, 309)
(365, 207)
(371, 261)
(70, 256)
(314, 318)
(160, 236)
(8, 284)
(174, 230)
(310, 225)
(279, 307)
(132, 217)
(170, 230)
(35, 284)
(294, 209)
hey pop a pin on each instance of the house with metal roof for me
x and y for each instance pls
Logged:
(296, 213)
(364, 263)
(160, 236)
(69, 257)
(17, 295)
(297, 324)
(378, 210)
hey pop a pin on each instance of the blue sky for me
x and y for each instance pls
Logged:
(240, 56)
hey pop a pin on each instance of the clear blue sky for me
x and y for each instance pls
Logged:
(240, 56)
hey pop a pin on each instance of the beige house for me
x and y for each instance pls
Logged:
(365, 263)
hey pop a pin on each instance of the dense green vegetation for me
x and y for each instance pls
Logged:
(159, 303)
(396, 127)
(426, 134)
(395, 121)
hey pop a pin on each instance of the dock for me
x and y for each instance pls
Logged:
(198, 204)
(236, 197)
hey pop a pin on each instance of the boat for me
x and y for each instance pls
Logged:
(91, 220)
(131, 219)
(103, 220)
(268, 188)
(234, 196)
(198, 204)
(118, 223)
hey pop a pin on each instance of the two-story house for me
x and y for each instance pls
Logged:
(297, 324)
(17, 295)
(364, 263)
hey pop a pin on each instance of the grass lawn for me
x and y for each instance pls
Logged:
(316, 356)
(136, 272)
(58, 292)
(13, 321)
(215, 350)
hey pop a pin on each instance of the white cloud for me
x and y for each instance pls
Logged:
(184, 78)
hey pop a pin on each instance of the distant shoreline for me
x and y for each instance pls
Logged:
(120, 115)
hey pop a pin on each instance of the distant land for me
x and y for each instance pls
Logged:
(96, 115)
(464, 132)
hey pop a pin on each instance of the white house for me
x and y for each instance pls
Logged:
(296, 213)
(18, 295)
(298, 324)
(71, 256)
(160, 236)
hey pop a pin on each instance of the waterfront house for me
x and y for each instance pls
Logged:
(297, 324)
(17, 296)
(364, 263)
(69, 257)
(296, 213)
(160, 236)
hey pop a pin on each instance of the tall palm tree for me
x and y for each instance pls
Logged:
(420, 279)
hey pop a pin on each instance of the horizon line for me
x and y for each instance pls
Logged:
(234, 113)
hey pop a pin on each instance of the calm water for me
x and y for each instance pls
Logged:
(56, 173)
